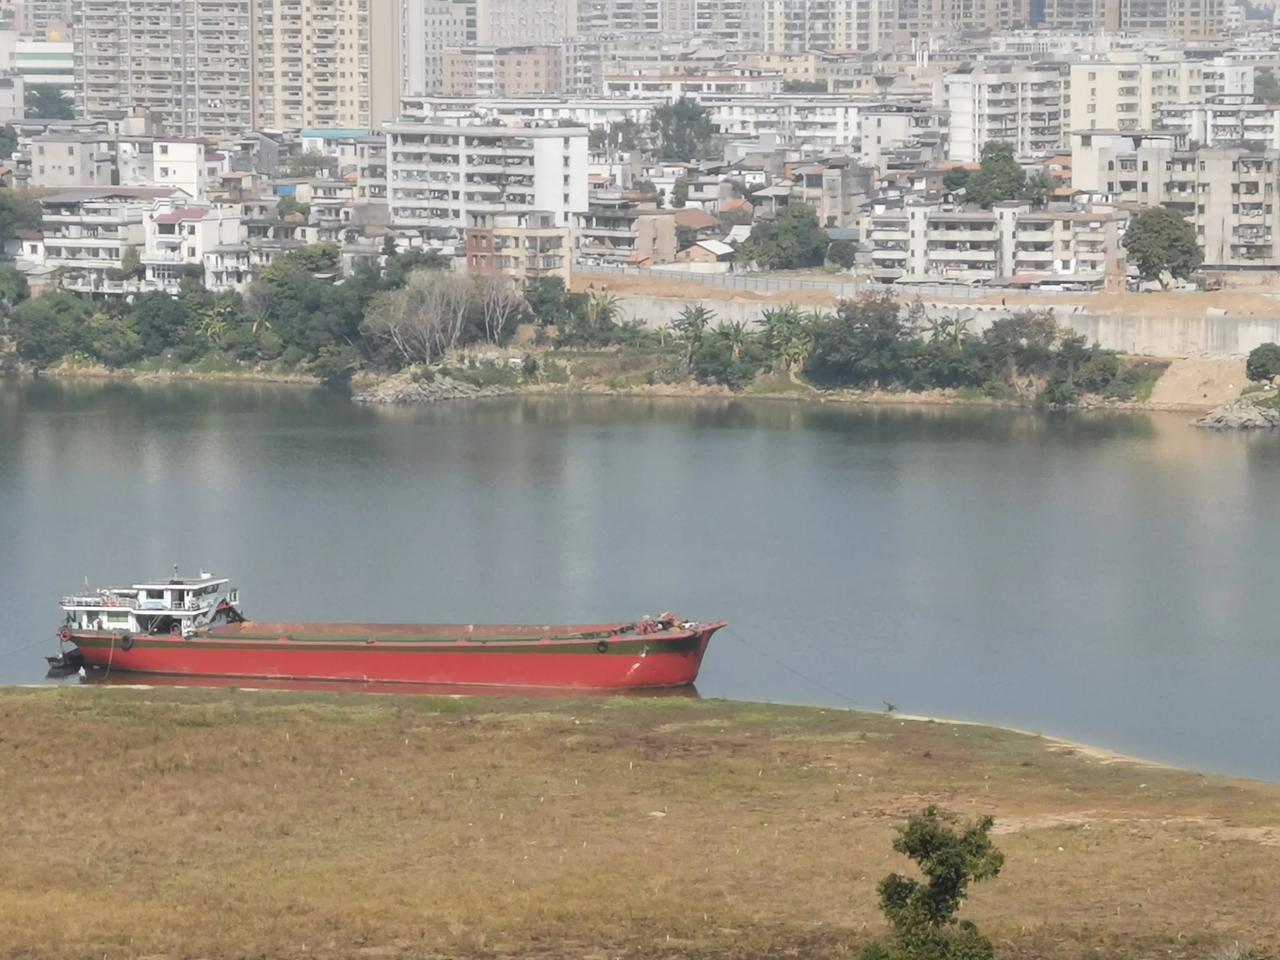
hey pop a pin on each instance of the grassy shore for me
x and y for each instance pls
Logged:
(220, 824)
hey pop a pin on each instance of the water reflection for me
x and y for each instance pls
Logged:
(1103, 576)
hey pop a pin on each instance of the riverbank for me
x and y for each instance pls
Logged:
(222, 823)
(1192, 385)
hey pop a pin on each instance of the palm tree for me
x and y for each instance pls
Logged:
(940, 330)
(735, 334)
(788, 334)
(690, 326)
(602, 310)
(215, 323)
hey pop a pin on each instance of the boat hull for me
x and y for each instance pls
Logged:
(593, 658)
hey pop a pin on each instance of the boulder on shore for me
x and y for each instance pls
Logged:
(408, 387)
(1242, 414)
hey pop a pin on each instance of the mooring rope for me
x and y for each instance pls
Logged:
(820, 684)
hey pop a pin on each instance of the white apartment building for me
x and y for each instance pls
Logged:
(181, 165)
(438, 175)
(695, 87)
(1224, 77)
(810, 123)
(177, 236)
(1225, 120)
(595, 113)
(1127, 90)
(325, 63)
(929, 242)
(187, 60)
(1023, 107)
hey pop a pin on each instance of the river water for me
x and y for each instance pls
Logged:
(1106, 578)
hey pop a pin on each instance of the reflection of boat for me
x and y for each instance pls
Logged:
(195, 627)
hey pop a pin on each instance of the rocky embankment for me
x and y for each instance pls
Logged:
(412, 387)
(1242, 414)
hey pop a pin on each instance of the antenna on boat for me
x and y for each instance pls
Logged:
(175, 571)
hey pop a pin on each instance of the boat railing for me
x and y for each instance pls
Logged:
(98, 600)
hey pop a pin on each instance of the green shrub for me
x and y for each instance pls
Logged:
(1264, 362)
(488, 375)
(553, 372)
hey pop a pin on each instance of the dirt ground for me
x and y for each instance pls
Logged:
(228, 824)
(1193, 382)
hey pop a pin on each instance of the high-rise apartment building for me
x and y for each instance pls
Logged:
(796, 26)
(1189, 19)
(427, 29)
(189, 61)
(619, 16)
(315, 63)
(1022, 106)
(738, 23)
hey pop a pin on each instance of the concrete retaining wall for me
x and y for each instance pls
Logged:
(1152, 336)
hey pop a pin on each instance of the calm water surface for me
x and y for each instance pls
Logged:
(1107, 578)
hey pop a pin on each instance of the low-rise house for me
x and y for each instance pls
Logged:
(86, 233)
(71, 159)
(523, 246)
(620, 229)
(180, 238)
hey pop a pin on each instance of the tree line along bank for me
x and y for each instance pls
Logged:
(410, 310)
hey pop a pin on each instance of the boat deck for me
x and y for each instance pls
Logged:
(425, 631)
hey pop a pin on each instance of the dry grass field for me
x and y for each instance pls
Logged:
(220, 823)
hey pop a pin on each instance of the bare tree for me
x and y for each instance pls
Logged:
(499, 304)
(424, 320)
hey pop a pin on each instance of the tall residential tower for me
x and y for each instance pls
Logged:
(187, 61)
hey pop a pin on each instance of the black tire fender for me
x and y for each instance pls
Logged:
(126, 642)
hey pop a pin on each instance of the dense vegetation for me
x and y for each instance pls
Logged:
(295, 316)
(872, 343)
(412, 311)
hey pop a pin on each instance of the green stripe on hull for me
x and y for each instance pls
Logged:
(633, 648)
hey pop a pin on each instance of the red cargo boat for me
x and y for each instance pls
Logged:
(195, 627)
